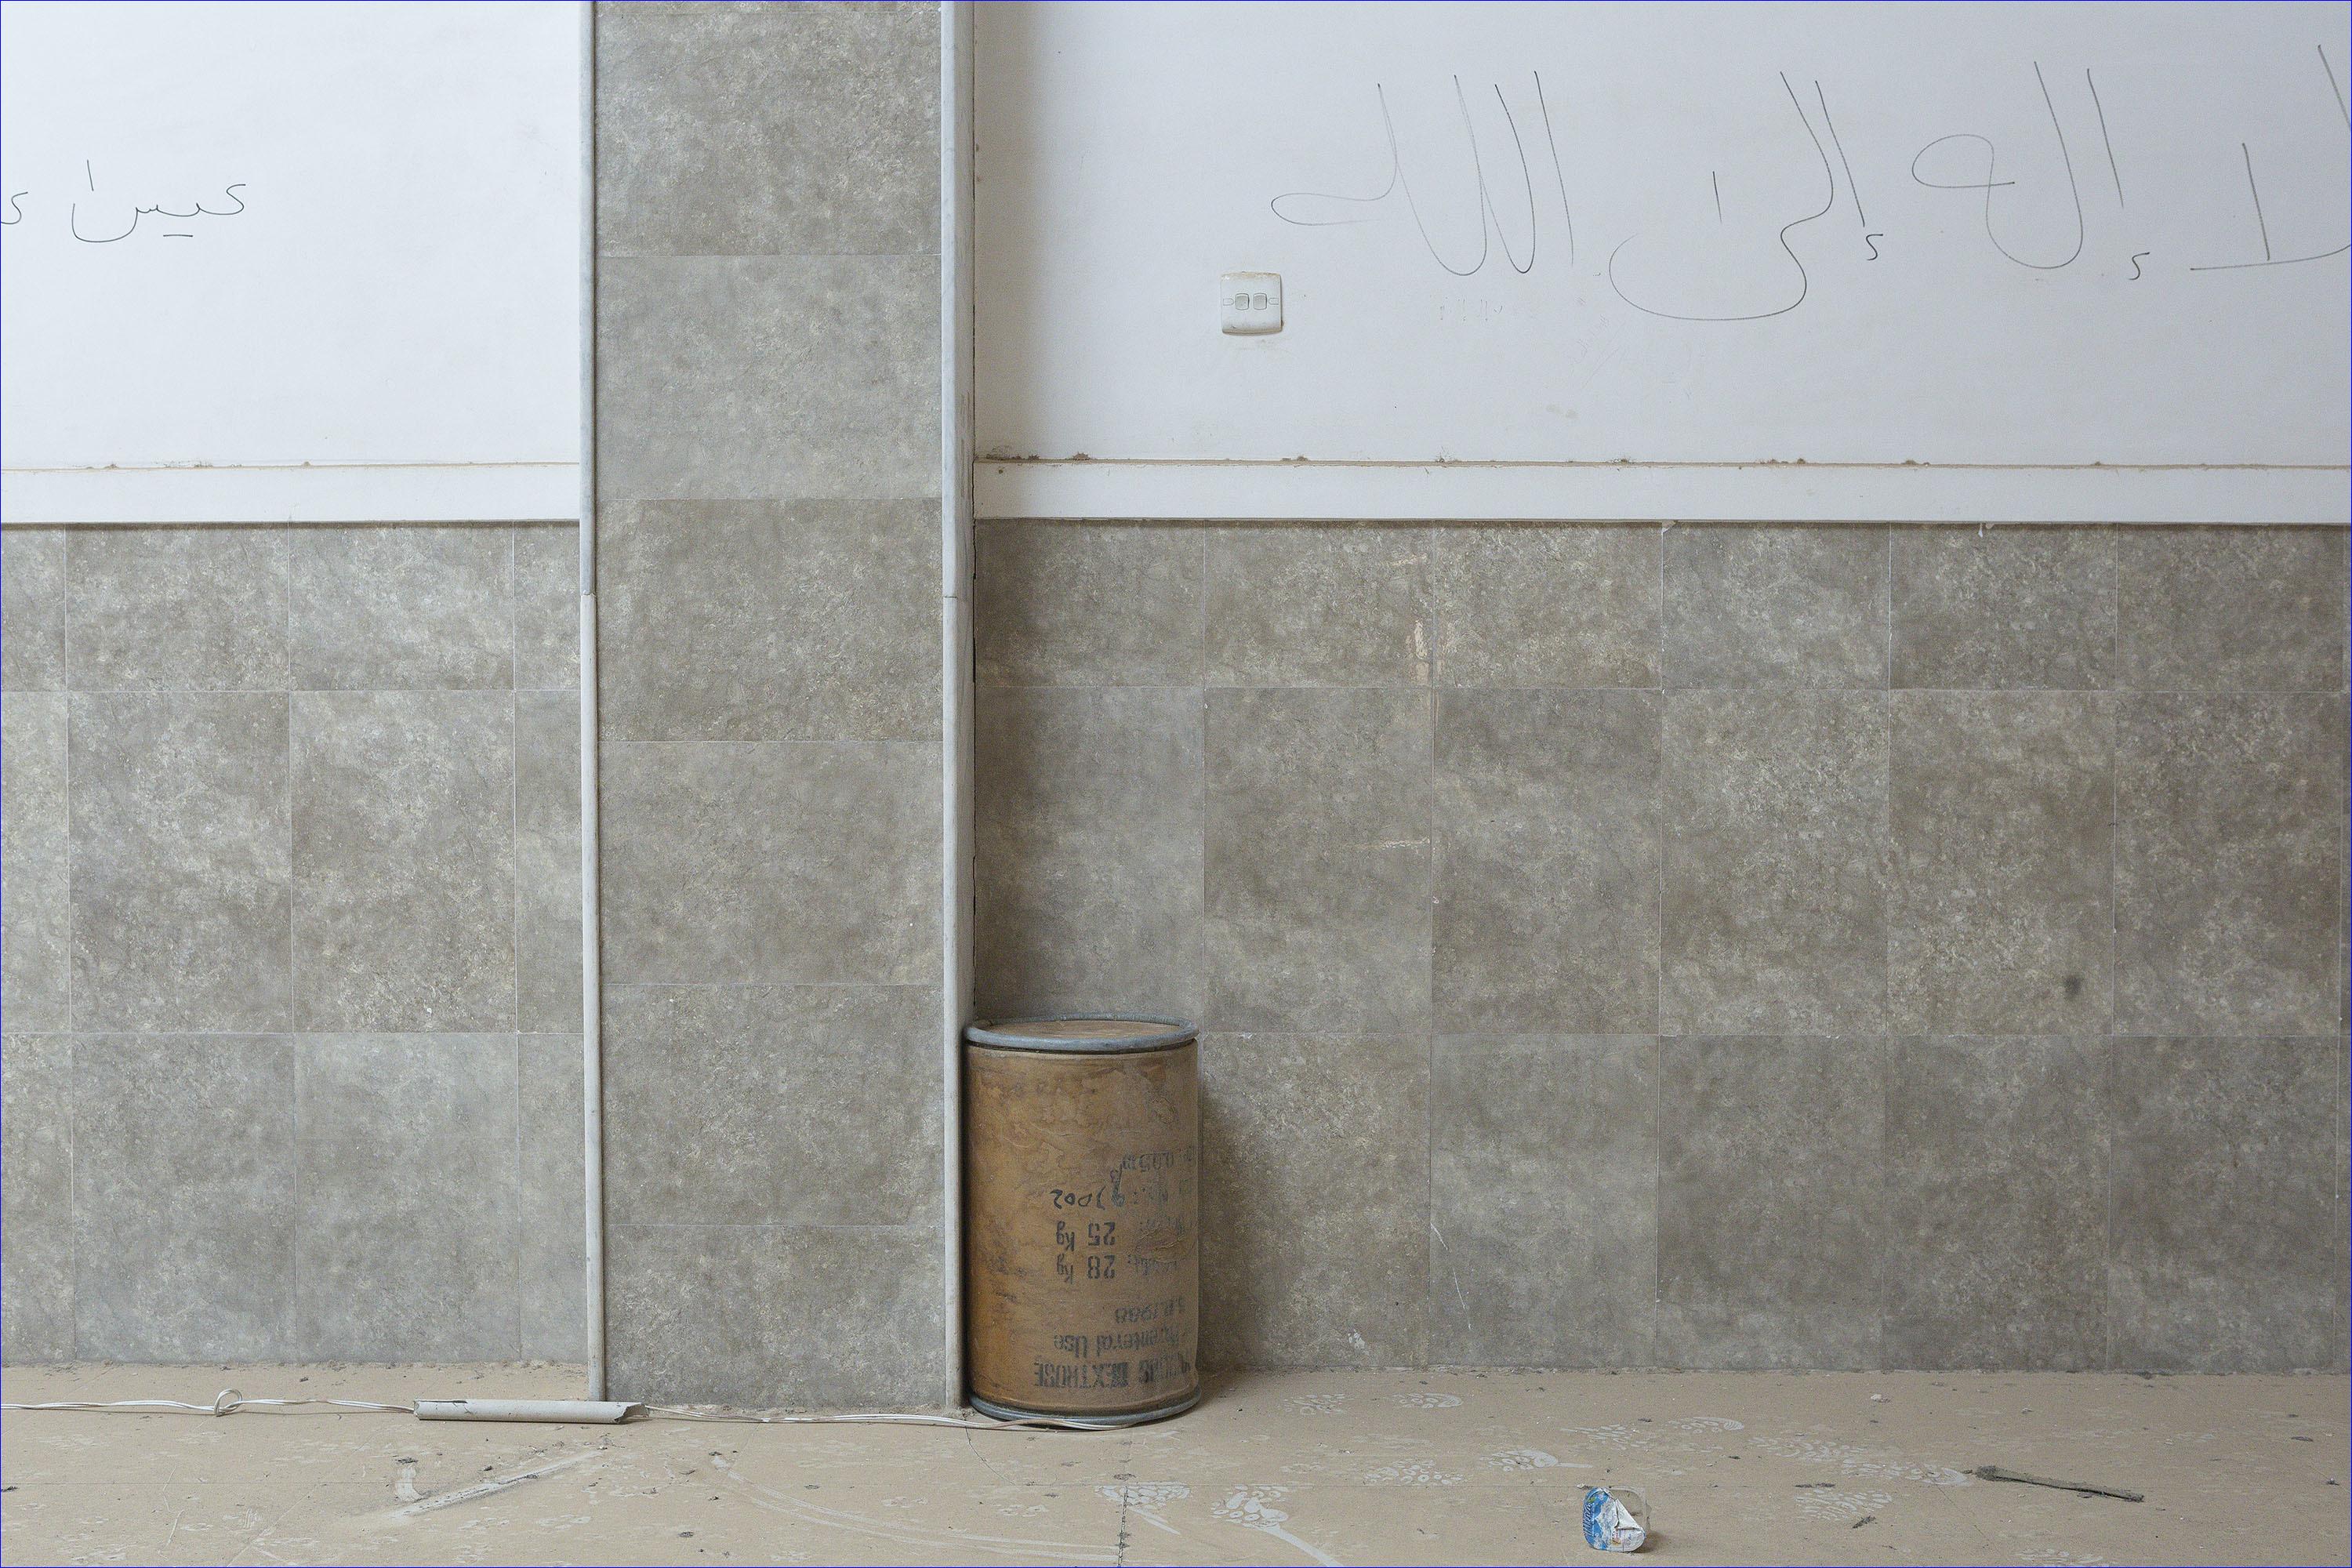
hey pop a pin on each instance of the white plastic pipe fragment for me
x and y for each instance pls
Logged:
(599, 1412)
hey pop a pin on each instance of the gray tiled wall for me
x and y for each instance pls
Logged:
(1706, 946)
(768, 654)
(291, 948)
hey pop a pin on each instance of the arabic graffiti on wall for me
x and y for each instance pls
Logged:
(102, 216)
(2077, 147)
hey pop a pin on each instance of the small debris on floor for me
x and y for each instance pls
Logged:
(2088, 1488)
(897, 1497)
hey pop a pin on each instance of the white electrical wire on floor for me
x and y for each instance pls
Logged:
(228, 1401)
(876, 1417)
(225, 1402)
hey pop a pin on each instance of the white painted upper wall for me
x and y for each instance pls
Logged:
(2001, 243)
(289, 260)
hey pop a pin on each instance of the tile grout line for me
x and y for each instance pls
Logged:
(1658, 929)
(293, 970)
(73, 1100)
(2115, 792)
(2340, 961)
(2114, 952)
(1657, 1190)
(514, 776)
(384, 688)
(292, 1330)
(1766, 689)
(66, 685)
(2107, 1216)
(1887, 809)
(1887, 924)
(1200, 675)
(1658, 913)
(1429, 670)
(514, 1253)
(514, 900)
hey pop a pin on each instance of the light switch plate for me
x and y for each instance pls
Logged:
(1249, 304)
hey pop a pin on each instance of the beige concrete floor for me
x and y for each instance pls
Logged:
(1309, 1468)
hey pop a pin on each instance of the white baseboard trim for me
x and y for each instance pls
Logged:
(1763, 492)
(324, 492)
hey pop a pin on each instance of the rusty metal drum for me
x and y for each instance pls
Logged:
(1082, 1260)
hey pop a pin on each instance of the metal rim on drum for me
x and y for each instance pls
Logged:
(1008, 1034)
(990, 1408)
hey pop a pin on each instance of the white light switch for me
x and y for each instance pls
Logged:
(1249, 304)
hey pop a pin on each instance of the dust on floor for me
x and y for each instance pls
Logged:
(1305, 1468)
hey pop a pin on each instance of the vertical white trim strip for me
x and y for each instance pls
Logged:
(592, 998)
(955, 652)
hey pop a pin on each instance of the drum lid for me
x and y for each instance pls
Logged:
(1083, 1032)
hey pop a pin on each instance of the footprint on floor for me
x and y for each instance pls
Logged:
(1523, 1460)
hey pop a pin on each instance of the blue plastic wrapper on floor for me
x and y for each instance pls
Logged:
(1616, 1519)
